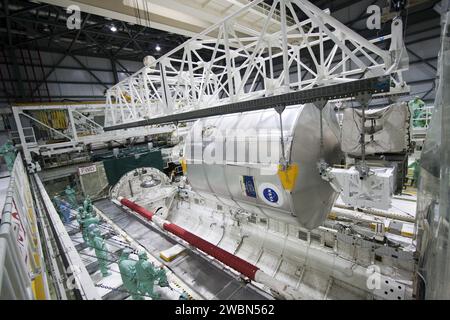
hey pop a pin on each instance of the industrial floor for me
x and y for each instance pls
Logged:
(210, 280)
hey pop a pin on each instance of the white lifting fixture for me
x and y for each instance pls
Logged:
(235, 61)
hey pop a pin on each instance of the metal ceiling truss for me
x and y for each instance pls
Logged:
(228, 63)
(27, 28)
(46, 26)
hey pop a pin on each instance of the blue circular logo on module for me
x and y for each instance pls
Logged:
(270, 195)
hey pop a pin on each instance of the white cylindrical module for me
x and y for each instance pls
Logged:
(235, 159)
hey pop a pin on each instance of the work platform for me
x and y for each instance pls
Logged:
(207, 278)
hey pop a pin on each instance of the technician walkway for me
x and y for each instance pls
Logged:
(209, 279)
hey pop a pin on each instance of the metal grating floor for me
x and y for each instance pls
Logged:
(209, 280)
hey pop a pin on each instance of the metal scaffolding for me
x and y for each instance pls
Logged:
(230, 62)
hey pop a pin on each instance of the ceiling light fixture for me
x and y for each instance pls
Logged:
(113, 28)
(158, 48)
